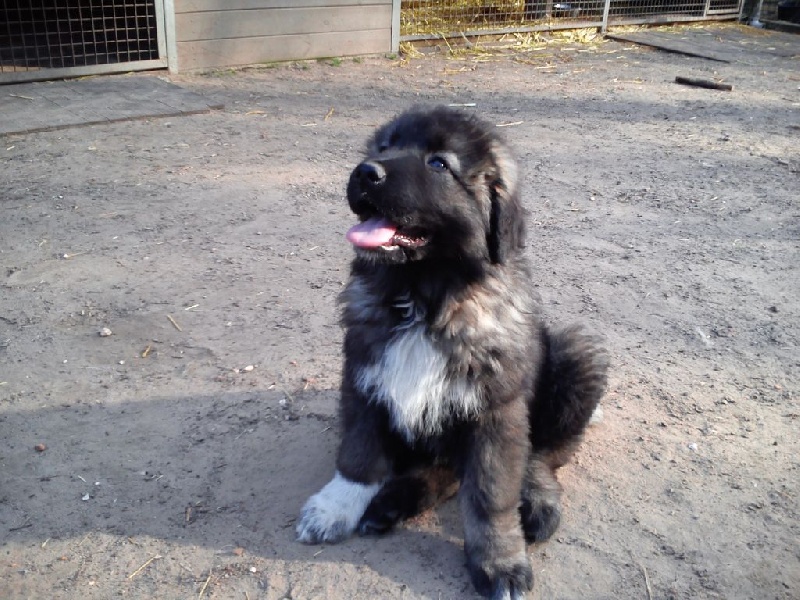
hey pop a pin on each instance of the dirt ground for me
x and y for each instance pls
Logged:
(176, 453)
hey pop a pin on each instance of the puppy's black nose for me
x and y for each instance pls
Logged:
(371, 174)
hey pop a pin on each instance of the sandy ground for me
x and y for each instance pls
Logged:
(179, 449)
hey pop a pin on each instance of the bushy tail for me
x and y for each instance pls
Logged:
(571, 382)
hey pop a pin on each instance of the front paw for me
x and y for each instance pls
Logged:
(377, 521)
(504, 581)
(332, 514)
(397, 499)
(318, 524)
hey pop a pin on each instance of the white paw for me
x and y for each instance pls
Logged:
(332, 514)
(597, 416)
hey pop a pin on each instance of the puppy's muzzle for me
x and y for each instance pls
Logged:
(387, 187)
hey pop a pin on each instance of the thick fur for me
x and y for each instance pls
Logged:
(451, 380)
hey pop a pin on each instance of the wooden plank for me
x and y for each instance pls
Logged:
(66, 72)
(729, 44)
(232, 24)
(244, 51)
(188, 6)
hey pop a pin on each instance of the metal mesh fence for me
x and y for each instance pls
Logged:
(41, 34)
(421, 19)
(432, 18)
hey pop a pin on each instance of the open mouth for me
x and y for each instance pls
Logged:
(378, 232)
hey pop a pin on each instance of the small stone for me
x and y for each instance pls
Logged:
(85, 497)
(693, 447)
(104, 332)
(40, 447)
(253, 570)
(248, 368)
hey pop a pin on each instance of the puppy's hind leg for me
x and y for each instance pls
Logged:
(405, 496)
(540, 509)
(571, 382)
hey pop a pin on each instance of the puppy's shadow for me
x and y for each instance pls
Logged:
(213, 472)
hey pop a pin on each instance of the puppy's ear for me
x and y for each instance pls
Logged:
(506, 233)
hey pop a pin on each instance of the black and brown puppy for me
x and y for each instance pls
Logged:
(450, 377)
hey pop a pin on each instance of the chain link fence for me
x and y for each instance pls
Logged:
(430, 19)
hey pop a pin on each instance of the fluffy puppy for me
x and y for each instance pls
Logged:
(451, 380)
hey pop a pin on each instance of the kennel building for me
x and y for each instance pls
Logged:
(51, 39)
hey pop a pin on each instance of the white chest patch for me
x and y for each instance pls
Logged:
(412, 379)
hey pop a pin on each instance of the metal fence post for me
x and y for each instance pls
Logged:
(395, 26)
(169, 34)
(606, 10)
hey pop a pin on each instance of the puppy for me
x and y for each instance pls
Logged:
(451, 380)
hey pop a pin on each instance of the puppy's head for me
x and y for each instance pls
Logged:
(436, 184)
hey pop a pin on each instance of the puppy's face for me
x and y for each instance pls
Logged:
(431, 188)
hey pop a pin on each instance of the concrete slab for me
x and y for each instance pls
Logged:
(46, 105)
(742, 44)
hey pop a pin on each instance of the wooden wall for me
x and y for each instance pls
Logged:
(222, 33)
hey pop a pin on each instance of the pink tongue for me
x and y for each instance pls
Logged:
(372, 233)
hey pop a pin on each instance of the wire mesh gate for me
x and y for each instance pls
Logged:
(45, 39)
(429, 19)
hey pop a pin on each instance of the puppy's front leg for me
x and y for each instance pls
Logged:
(333, 513)
(493, 471)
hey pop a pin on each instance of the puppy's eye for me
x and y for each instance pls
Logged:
(437, 163)
(383, 146)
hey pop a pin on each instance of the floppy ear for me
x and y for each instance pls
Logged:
(506, 233)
